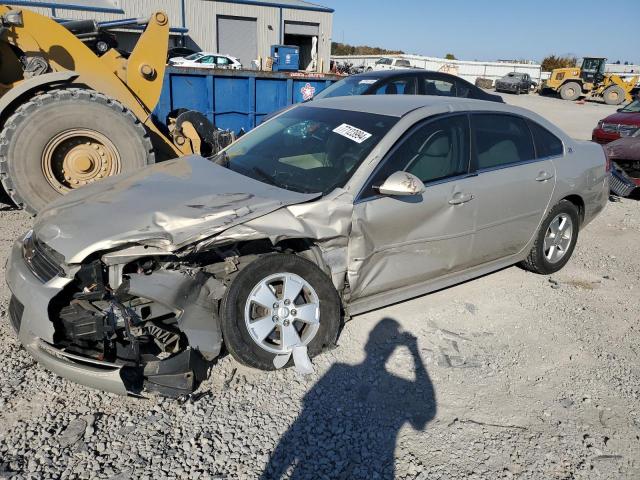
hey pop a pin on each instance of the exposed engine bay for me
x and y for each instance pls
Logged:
(155, 316)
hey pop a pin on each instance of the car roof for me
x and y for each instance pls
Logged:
(400, 105)
(399, 72)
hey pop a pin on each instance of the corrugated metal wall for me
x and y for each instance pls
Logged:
(200, 19)
(465, 69)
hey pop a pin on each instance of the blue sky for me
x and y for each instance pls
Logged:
(493, 29)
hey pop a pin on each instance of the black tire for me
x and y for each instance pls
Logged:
(536, 261)
(27, 132)
(614, 95)
(570, 91)
(234, 330)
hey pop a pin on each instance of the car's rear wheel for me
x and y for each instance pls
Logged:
(276, 303)
(555, 241)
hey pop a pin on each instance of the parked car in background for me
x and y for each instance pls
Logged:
(207, 60)
(515, 82)
(624, 123)
(390, 64)
(179, 52)
(344, 204)
(407, 82)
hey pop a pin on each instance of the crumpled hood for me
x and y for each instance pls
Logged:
(168, 205)
(625, 148)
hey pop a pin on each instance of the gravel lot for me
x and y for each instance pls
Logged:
(512, 375)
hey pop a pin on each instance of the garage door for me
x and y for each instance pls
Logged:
(238, 36)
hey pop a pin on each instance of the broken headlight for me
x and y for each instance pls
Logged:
(627, 130)
(44, 262)
(27, 246)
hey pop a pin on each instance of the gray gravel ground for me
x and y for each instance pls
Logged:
(512, 375)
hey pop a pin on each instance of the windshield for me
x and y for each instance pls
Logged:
(633, 107)
(193, 56)
(306, 149)
(347, 86)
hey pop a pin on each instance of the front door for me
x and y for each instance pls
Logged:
(399, 241)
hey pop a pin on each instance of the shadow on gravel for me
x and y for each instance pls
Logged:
(5, 201)
(351, 417)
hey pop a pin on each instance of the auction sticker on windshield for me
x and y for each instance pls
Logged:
(352, 133)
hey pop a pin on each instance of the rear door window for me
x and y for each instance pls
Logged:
(501, 140)
(398, 86)
(547, 144)
(463, 90)
(440, 88)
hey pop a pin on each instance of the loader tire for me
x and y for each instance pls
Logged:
(570, 91)
(61, 140)
(614, 95)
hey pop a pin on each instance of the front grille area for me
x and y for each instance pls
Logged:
(41, 260)
(16, 309)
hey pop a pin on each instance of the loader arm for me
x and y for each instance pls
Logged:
(135, 82)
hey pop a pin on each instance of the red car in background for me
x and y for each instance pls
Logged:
(619, 135)
(624, 123)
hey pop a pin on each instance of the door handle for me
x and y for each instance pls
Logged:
(544, 176)
(460, 198)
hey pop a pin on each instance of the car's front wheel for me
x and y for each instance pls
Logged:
(276, 303)
(555, 240)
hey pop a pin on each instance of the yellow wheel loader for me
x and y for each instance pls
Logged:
(590, 80)
(69, 117)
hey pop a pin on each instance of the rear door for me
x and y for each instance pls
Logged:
(514, 185)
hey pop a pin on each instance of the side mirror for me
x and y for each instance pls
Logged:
(402, 184)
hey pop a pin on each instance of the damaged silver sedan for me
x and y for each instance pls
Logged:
(330, 209)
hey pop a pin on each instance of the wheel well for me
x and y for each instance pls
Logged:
(30, 93)
(579, 203)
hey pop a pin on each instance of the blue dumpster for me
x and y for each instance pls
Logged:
(285, 58)
(235, 99)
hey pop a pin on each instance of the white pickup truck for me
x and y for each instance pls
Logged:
(390, 64)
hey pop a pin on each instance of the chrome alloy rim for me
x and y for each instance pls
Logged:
(558, 238)
(282, 312)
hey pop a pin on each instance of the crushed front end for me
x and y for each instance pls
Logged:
(127, 321)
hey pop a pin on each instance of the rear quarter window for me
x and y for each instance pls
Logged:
(547, 144)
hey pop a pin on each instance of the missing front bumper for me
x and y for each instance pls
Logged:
(173, 377)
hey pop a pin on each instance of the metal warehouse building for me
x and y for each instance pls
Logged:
(243, 28)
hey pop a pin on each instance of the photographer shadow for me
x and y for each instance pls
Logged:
(351, 418)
